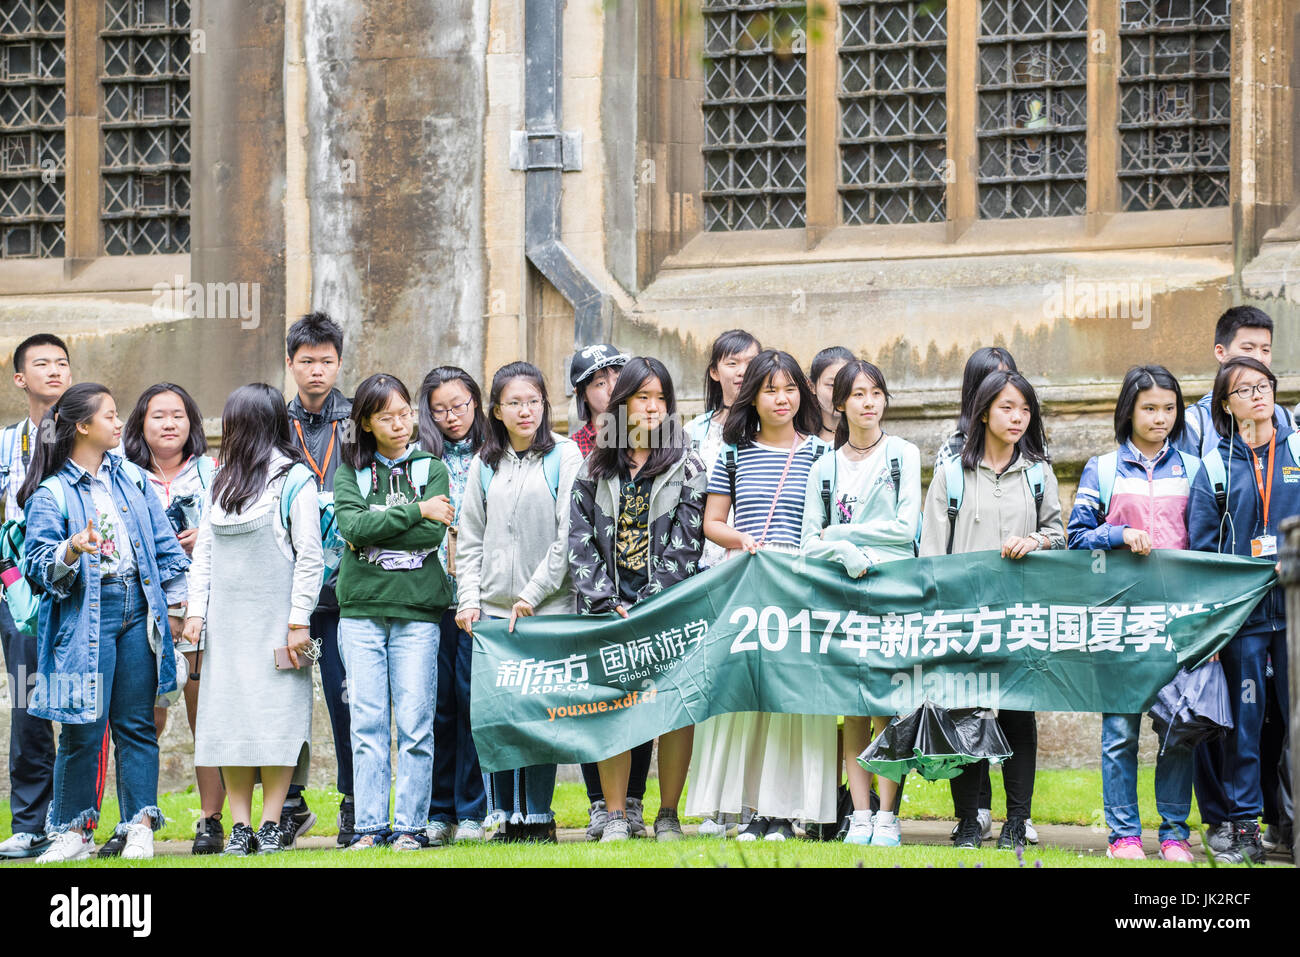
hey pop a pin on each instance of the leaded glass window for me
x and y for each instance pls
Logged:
(1175, 103)
(893, 113)
(1033, 108)
(755, 120)
(146, 126)
(32, 113)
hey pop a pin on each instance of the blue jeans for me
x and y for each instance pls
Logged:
(128, 679)
(31, 739)
(1244, 661)
(457, 780)
(1119, 754)
(522, 796)
(391, 659)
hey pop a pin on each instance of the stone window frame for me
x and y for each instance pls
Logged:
(85, 267)
(671, 229)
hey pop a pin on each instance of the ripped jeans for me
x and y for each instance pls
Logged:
(128, 684)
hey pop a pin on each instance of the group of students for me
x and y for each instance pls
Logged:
(456, 511)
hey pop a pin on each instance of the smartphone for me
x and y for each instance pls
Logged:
(283, 662)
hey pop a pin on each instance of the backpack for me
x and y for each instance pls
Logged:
(550, 467)
(20, 593)
(207, 469)
(893, 450)
(331, 538)
(1108, 470)
(731, 460)
(955, 480)
(1217, 475)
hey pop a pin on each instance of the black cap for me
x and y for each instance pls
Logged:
(591, 360)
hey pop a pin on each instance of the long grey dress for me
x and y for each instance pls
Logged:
(250, 714)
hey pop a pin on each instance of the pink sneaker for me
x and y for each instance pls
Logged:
(1127, 849)
(1180, 852)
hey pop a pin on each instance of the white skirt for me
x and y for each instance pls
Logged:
(777, 765)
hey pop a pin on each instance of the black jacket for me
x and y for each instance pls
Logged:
(318, 428)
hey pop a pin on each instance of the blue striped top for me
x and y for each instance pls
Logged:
(758, 471)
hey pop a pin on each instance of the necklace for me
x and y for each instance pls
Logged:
(869, 447)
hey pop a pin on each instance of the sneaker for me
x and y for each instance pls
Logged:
(467, 831)
(209, 836)
(1012, 837)
(755, 830)
(23, 845)
(711, 828)
(1129, 849)
(667, 826)
(363, 842)
(506, 834)
(68, 846)
(859, 828)
(596, 818)
(347, 822)
(139, 843)
(985, 817)
(271, 839)
(406, 842)
(1219, 837)
(242, 843)
(439, 834)
(968, 834)
(1246, 845)
(886, 833)
(779, 831)
(635, 817)
(1276, 839)
(1180, 852)
(295, 821)
(113, 846)
(1030, 834)
(543, 833)
(617, 828)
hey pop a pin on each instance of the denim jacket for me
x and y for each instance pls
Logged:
(68, 631)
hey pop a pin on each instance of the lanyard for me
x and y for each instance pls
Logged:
(167, 483)
(27, 444)
(329, 450)
(1265, 493)
(798, 441)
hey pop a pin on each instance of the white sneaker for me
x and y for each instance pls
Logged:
(886, 833)
(986, 823)
(470, 831)
(439, 833)
(139, 843)
(1030, 834)
(68, 846)
(23, 844)
(711, 828)
(859, 828)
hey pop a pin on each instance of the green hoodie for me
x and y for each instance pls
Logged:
(365, 589)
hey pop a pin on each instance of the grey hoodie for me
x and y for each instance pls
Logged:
(518, 549)
(993, 509)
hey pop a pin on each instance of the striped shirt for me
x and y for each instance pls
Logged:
(758, 473)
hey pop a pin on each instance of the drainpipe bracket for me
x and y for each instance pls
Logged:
(546, 149)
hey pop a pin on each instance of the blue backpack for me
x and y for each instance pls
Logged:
(1217, 475)
(550, 468)
(955, 481)
(21, 595)
(1108, 469)
(893, 448)
(331, 539)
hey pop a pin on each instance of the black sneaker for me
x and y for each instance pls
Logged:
(209, 836)
(755, 830)
(781, 830)
(968, 834)
(295, 821)
(347, 822)
(1277, 839)
(270, 839)
(1246, 845)
(113, 846)
(1013, 837)
(242, 843)
(1219, 837)
(539, 833)
(507, 833)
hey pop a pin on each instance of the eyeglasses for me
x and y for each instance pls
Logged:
(515, 406)
(1250, 391)
(387, 421)
(455, 411)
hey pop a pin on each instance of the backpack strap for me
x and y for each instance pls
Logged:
(8, 439)
(1037, 484)
(485, 474)
(730, 456)
(298, 477)
(955, 484)
(551, 469)
(363, 481)
(420, 475)
(135, 474)
(1107, 471)
(1213, 463)
(1192, 465)
(1293, 446)
(207, 469)
(55, 488)
(828, 489)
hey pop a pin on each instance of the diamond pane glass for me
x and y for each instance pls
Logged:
(755, 120)
(1175, 96)
(1033, 108)
(893, 112)
(33, 156)
(146, 156)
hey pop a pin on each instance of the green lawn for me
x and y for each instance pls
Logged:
(1060, 797)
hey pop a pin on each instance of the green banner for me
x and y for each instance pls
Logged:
(1056, 631)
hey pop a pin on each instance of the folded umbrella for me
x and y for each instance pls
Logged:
(1192, 708)
(936, 742)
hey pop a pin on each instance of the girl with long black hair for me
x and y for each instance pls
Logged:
(110, 567)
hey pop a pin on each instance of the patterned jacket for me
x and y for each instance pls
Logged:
(675, 524)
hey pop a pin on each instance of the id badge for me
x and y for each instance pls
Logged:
(1263, 547)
